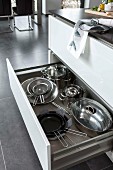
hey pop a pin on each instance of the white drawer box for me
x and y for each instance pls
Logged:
(50, 158)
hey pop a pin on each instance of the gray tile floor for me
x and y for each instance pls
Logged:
(25, 49)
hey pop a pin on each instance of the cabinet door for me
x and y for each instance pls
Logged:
(37, 135)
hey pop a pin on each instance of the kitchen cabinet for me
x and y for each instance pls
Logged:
(88, 71)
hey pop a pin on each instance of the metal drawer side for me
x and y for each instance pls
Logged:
(81, 152)
(37, 135)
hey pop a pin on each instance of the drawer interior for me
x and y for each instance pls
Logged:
(52, 154)
(72, 139)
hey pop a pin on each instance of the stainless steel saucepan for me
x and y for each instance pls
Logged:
(57, 73)
(70, 94)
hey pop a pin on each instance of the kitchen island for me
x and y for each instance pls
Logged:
(73, 15)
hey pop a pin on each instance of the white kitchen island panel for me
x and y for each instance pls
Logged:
(95, 66)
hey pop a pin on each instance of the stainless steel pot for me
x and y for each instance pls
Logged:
(57, 73)
(91, 117)
(70, 94)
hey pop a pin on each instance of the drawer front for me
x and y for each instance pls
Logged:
(37, 135)
(94, 66)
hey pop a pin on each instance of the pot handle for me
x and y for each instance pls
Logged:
(61, 139)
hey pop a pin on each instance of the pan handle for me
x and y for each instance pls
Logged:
(61, 139)
(60, 107)
(42, 100)
(35, 100)
(76, 132)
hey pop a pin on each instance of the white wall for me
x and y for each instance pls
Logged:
(91, 3)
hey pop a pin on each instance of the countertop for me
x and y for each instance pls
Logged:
(73, 15)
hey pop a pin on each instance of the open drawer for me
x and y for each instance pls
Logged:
(50, 156)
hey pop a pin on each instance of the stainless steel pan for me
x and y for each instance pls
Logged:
(91, 117)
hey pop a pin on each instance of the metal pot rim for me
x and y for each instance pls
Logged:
(45, 72)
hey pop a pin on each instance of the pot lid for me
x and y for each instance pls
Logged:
(39, 85)
(91, 114)
(49, 96)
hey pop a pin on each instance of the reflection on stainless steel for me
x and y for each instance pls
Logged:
(59, 74)
(35, 100)
(91, 117)
(40, 89)
(39, 86)
(70, 94)
(31, 97)
(55, 72)
(42, 100)
(73, 90)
